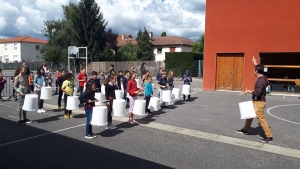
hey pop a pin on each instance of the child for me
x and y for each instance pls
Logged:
(132, 94)
(110, 95)
(57, 75)
(60, 81)
(187, 79)
(49, 80)
(30, 81)
(101, 77)
(162, 83)
(21, 86)
(171, 81)
(39, 82)
(145, 77)
(68, 88)
(82, 78)
(96, 81)
(125, 81)
(148, 93)
(2, 82)
(88, 98)
(120, 79)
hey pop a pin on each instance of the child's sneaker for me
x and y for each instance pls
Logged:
(89, 136)
(59, 108)
(71, 116)
(66, 116)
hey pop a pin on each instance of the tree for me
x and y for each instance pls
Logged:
(145, 46)
(163, 34)
(129, 52)
(83, 25)
(198, 46)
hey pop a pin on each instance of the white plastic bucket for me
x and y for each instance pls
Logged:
(138, 83)
(30, 102)
(46, 93)
(99, 117)
(186, 89)
(72, 103)
(103, 89)
(63, 95)
(119, 94)
(99, 96)
(122, 87)
(166, 95)
(247, 110)
(176, 93)
(139, 107)
(119, 107)
(154, 104)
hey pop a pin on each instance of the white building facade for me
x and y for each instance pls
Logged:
(21, 48)
(159, 51)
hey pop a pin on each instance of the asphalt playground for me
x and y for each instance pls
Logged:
(198, 134)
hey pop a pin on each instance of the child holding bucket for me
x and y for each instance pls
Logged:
(21, 86)
(40, 81)
(30, 81)
(171, 81)
(88, 98)
(68, 88)
(110, 95)
(162, 83)
(148, 93)
(132, 94)
(187, 79)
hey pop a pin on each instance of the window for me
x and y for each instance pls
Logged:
(6, 47)
(6, 59)
(16, 59)
(15, 47)
(159, 50)
(37, 47)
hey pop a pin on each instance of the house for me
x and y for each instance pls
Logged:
(160, 45)
(21, 48)
(236, 31)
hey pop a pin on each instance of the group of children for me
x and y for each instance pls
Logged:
(107, 85)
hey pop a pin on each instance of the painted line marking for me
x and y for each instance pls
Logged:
(220, 138)
(29, 138)
(5, 105)
(268, 111)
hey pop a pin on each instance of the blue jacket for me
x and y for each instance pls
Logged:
(39, 80)
(148, 89)
(187, 79)
(158, 76)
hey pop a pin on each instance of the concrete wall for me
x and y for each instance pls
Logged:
(248, 27)
(152, 66)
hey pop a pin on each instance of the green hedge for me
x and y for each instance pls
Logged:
(181, 61)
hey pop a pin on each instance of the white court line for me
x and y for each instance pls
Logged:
(5, 105)
(268, 111)
(57, 131)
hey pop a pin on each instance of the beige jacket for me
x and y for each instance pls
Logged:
(21, 84)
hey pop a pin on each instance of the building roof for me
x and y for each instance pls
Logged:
(28, 39)
(156, 41)
(171, 40)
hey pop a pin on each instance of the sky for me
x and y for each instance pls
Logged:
(183, 18)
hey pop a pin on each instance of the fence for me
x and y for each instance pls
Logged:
(33, 66)
(197, 70)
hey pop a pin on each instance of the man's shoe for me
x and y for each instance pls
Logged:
(89, 136)
(242, 131)
(266, 140)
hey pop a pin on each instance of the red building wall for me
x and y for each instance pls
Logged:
(249, 27)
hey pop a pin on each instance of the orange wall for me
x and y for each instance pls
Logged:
(249, 27)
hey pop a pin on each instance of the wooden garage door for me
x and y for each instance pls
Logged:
(230, 71)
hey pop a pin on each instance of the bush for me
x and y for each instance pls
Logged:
(179, 61)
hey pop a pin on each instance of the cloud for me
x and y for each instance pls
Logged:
(175, 17)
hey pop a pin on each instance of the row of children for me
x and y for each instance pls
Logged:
(131, 91)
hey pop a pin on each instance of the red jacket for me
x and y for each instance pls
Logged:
(132, 87)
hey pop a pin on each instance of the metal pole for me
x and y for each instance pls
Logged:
(199, 68)
(86, 62)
